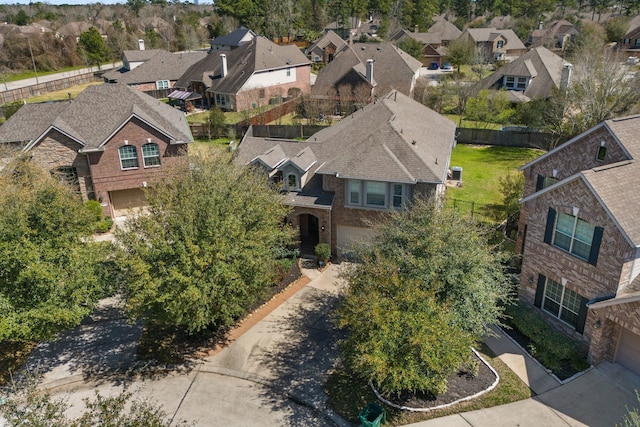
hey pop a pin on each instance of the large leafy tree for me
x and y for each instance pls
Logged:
(421, 295)
(205, 252)
(49, 265)
(93, 47)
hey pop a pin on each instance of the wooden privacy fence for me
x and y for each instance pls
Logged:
(38, 89)
(505, 138)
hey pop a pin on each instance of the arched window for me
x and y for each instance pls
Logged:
(150, 155)
(292, 182)
(128, 157)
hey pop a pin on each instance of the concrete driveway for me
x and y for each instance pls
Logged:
(271, 376)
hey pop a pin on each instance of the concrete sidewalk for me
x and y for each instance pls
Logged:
(599, 397)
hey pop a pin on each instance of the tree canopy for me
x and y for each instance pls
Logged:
(49, 266)
(206, 249)
(93, 46)
(419, 297)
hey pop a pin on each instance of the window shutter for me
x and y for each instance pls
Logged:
(595, 245)
(582, 315)
(540, 291)
(540, 182)
(551, 222)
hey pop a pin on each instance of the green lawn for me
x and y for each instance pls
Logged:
(231, 117)
(482, 167)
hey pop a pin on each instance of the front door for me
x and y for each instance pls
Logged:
(309, 233)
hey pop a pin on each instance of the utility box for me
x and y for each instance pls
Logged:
(456, 173)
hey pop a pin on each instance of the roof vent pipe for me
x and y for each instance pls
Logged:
(370, 71)
(223, 65)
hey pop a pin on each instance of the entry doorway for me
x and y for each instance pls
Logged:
(309, 233)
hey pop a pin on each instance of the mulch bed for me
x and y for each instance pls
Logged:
(459, 385)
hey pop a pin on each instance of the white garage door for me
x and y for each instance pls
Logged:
(629, 351)
(348, 236)
(124, 201)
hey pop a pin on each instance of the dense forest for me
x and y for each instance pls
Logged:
(49, 36)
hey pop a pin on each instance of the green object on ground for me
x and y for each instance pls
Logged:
(373, 415)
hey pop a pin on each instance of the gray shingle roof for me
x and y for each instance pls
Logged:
(395, 139)
(393, 67)
(540, 64)
(322, 42)
(259, 55)
(162, 66)
(446, 29)
(140, 55)
(95, 114)
(488, 34)
(30, 121)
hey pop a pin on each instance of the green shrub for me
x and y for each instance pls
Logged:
(323, 251)
(104, 224)
(94, 207)
(547, 345)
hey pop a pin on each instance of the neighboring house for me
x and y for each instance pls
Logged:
(254, 74)
(326, 48)
(238, 37)
(493, 44)
(347, 176)
(153, 69)
(379, 67)
(631, 40)
(109, 143)
(554, 36)
(579, 236)
(533, 75)
(434, 41)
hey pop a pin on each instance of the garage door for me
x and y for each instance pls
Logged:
(348, 236)
(124, 201)
(629, 351)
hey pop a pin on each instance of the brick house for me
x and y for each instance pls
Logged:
(253, 74)
(580, 240)
(494, 44)
(109, 143)
(325, 48)
(347, 176)
(151, 70)
(534, 75)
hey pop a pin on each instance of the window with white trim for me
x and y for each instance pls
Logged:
(128, 157)
(150, 155)
(162, 84)
(515, 83)
(292, 182)
(375, 193)
(500, 44)
(561, 302)
(288, 72)
(573, 235)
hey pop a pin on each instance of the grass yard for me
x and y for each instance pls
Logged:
(231, 117)
(482, 168)
(61, 95)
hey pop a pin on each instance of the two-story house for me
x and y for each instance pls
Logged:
(534, 75)
(347, 176)
(152, 70)
(109, 143)
(555, 36)
(252, 75)
(325, 48)
(378, 67)
(494, 44)
(580, 240)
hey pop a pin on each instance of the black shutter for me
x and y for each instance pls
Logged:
(551, 223)
(540, 183)
(595, 245)
(540, 291)
(582, 315)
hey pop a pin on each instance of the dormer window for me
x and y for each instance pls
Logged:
(292, 182)
(515, 83)
(500, 44)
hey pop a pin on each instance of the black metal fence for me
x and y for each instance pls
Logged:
(481, 212)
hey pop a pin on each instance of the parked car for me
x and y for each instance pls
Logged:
(434, 66)
(446, 66)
